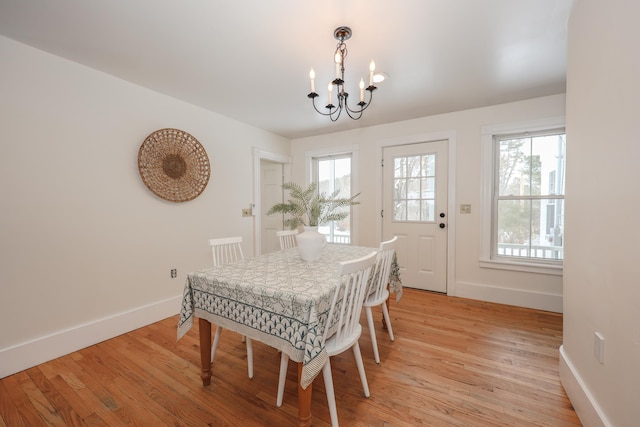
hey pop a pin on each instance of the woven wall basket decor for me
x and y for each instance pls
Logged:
(173, 165)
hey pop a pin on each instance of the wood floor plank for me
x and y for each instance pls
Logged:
(8, 409)
(51, 400)
(454, 362)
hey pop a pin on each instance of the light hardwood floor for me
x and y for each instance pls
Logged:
(455, 362)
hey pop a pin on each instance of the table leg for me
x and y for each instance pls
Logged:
(205, 350)
(304, 401)
(384, 324)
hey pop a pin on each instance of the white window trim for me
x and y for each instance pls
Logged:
(351, 150)
(486, 182)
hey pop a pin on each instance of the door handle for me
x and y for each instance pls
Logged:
(442, 225)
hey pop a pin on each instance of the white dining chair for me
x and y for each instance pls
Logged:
(346, 308)
(287, 238)
(379, 292)
(224, 251)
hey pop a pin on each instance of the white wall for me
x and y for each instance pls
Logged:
(601, 282)
(85, 248)
(469, 279)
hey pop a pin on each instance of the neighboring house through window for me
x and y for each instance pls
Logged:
(523, 188)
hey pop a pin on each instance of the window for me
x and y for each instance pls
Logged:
(333, 173)
(524, 211)
(414, 188)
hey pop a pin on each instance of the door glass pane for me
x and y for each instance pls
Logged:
(400, 167)
(413, 210)
(428, 210)
(399, 189)
(414, 188)
(428, 188)
(415, 166)
(429, 165)
(400, 210)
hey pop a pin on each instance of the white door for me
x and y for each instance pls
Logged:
(271, 174)
(415, 210)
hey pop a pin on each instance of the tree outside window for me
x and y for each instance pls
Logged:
(529, 196)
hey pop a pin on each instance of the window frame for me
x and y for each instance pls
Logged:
(338, 152)
(488, 215)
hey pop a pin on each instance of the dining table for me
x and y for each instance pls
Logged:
(276, 298)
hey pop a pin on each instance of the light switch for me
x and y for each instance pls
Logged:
(465, 209)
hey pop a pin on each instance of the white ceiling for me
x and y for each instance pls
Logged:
(250, 60)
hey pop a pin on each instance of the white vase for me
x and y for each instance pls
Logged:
(310, 244)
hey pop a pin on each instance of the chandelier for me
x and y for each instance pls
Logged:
(341, 34)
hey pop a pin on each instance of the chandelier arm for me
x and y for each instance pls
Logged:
(352, 114)
(333, 115)
(313, 101)
(363, 105)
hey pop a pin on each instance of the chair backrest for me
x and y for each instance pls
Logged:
(346, 306)
(383, 267)
(287, 238)
(226, 250)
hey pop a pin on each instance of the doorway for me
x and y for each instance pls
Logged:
(270, 171)
(415, 208)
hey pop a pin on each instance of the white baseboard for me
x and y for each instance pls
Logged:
(26, 355)
(583, 402)
(517, 297)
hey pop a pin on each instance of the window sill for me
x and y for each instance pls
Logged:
(554, 270)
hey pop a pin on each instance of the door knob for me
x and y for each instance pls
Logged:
(441, 214)
(442, 225)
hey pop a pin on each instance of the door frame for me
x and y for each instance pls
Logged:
(450, 136)
(259, 155)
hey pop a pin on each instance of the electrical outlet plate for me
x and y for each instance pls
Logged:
(598, 347)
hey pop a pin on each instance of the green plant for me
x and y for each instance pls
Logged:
(309, 207)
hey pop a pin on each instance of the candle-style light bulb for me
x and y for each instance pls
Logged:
(372, 68)
(361, 89)
(330, 88)
(312, 76)
(338, 61)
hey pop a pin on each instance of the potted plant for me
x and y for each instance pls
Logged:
(310, 208)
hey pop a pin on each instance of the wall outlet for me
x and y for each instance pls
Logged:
(174, 273)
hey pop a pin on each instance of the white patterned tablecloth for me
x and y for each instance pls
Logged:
(276, 298)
